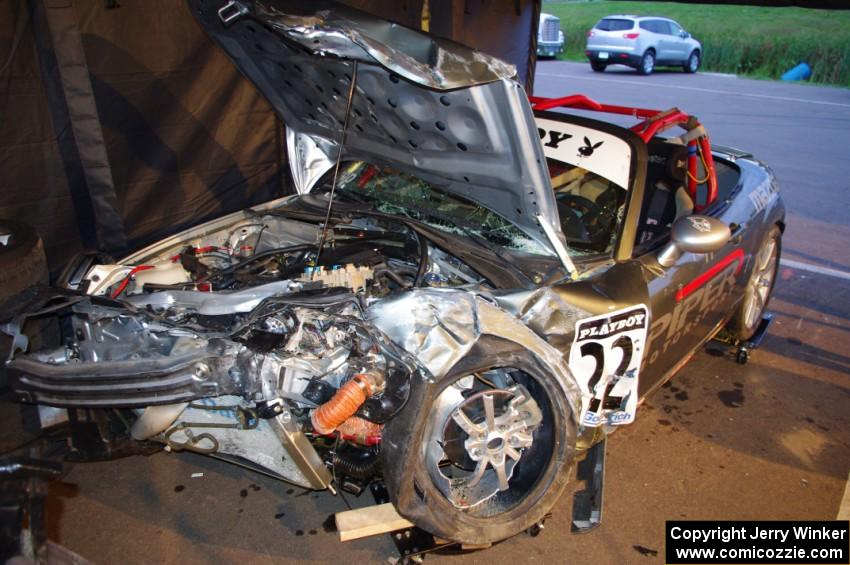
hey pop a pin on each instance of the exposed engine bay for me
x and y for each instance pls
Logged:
(248, 342)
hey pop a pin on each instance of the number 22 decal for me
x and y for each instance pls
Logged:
(605, 358)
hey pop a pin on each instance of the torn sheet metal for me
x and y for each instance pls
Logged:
(445, 324)
(545, 312)
(439, 327)
(332, 29)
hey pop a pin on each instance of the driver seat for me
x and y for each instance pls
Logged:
(666, 198)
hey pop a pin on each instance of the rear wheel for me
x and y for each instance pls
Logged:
(647, 63)
(692, 64)
(747, 318)
(597, 66)
(489, 454)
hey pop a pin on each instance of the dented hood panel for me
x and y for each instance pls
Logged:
(433, 108)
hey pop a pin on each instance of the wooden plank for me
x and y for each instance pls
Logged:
(369, 521)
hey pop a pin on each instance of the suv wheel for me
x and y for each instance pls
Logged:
(597, 66)
(692, 65)
(647, 63)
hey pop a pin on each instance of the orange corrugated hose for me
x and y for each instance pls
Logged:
(327, 417)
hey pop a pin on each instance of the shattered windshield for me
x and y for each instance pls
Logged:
(398, 193)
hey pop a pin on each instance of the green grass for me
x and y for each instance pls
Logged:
(748, 40)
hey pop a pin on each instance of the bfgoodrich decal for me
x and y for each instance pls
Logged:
(606, 357)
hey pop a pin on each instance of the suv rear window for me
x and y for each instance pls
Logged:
(613, 24)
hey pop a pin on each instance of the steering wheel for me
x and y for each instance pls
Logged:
(587, 211)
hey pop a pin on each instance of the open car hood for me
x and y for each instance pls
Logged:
(445, 113)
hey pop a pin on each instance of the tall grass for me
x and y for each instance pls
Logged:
(748, 40)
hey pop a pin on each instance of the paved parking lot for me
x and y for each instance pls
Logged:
(769, 440)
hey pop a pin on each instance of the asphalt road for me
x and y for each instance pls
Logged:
(768, 440)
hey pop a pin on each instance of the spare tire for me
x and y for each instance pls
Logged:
(22, 264)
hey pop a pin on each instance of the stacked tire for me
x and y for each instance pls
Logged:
(23, 264)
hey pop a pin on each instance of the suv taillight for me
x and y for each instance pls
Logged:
(631, 35)
(590, 33)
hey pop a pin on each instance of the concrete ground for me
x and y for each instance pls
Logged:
(768, 440)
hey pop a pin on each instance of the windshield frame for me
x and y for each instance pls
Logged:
(627, 230)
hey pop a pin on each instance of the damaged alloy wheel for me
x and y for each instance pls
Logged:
(490, 455)
(478, 439)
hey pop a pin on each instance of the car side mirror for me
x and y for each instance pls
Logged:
(684, 35)
(694, 234)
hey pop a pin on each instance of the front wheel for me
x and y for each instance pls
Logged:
(489, 453)
(748, 316)
(647, 63)
(692, 64)
(597, 66)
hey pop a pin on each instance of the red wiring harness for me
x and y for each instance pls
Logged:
(129, 276)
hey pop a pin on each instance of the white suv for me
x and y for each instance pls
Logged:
(642, 42)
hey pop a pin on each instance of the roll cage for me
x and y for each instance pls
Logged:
(654, 122)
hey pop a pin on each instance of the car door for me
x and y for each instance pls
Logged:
(688, 302)
(679, 46)
(690, 299)
(651, 29)
(666, 41)
(589, 161)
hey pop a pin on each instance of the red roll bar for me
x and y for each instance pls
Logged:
(653, 123)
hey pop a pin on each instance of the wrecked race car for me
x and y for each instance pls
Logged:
(466, 291)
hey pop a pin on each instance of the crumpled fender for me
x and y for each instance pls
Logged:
(452, 331)
(439, 327)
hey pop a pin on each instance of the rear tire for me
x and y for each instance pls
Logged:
(598, 67)
(647, 63)
(535, 480)
(692, 64)
(747, 317)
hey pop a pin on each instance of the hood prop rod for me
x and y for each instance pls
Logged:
(351, 87)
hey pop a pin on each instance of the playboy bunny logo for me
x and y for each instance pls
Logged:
(588, 148)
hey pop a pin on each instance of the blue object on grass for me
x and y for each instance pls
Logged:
(801, 72)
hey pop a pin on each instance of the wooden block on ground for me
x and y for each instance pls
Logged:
(369, 521)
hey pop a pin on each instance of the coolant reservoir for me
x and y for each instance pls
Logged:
(170, 273)
(102, 277)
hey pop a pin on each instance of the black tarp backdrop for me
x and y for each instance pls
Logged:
(121, 122)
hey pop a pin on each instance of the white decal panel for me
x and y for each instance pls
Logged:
(606, 357)
(597, 151)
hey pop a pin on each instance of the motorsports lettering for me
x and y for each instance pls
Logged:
(606, 355)
(693, 302)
